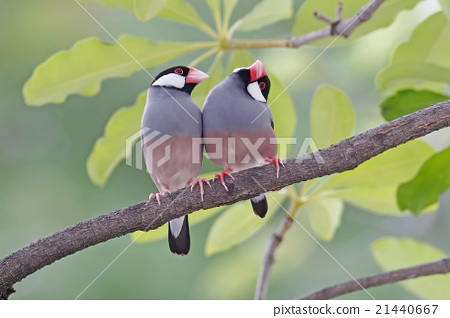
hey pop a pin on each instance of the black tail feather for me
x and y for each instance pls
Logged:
(180, 244)
(259, 205)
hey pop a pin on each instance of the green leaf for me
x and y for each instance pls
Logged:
(181, 12)
(379, 200)
(83, 68)
(325, 217)
(127, 5)
(147, 9)
(240, 58)
(279, 101)
(332, 118)
(445, 4)
(408, 101)
(391, 253)
(161, 232)
(425, 188)
(305, 21)
(387, 169)
(150, 236)
(228, 6)
(428, 43)
(215, 6)
(143, 9)
(110, 149)
(314, 186)
(421, 62)
(238, 223)
(283, 110)
(411, 75)
(216, 75)
(265, 13)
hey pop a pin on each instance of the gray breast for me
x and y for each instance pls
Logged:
(172, 112)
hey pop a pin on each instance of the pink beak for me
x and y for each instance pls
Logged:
(195, 76)
(256, 71)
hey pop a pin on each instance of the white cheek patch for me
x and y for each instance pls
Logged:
(255, 92)
(171, 80)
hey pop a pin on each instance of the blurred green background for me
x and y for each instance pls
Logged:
(44, 185)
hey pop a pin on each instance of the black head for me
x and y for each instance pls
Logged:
(181, 77)
(257, 84)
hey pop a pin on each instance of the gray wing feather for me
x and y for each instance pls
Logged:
(229, 107)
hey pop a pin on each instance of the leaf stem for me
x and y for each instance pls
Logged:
(215, 9)
(292, 193)
(217, 59)
(208, 30)
(204, 56)
(202, 45)
(226, 18)
(254, 44)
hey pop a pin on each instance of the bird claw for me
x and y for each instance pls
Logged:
(158, 195)
(277, 162)
(199, 181)
(222, 175)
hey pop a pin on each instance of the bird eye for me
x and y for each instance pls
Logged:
(178, 71)
(262, 85)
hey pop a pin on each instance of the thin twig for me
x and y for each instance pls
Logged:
(345, 155)
(438, 267)
(323, 17)
(269, 254)
(339, 9)
(342, 28)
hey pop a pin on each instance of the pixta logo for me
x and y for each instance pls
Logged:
(152, 139)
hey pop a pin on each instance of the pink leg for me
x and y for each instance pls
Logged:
(199, 181)
(277, 162)
(158, 195)
(222, 175)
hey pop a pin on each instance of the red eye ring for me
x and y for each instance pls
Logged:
(262, 85)
(178, 71)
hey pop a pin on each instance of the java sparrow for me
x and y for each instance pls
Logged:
(171, 132)
(238, 127)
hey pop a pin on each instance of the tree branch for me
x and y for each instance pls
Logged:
(338, 28)
(274, 242)
(269, 255)
(438, 267)
(148, 215)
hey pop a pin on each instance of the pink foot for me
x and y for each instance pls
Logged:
(277, 162)
(158, 195)
(221, 176)
(199, 181)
